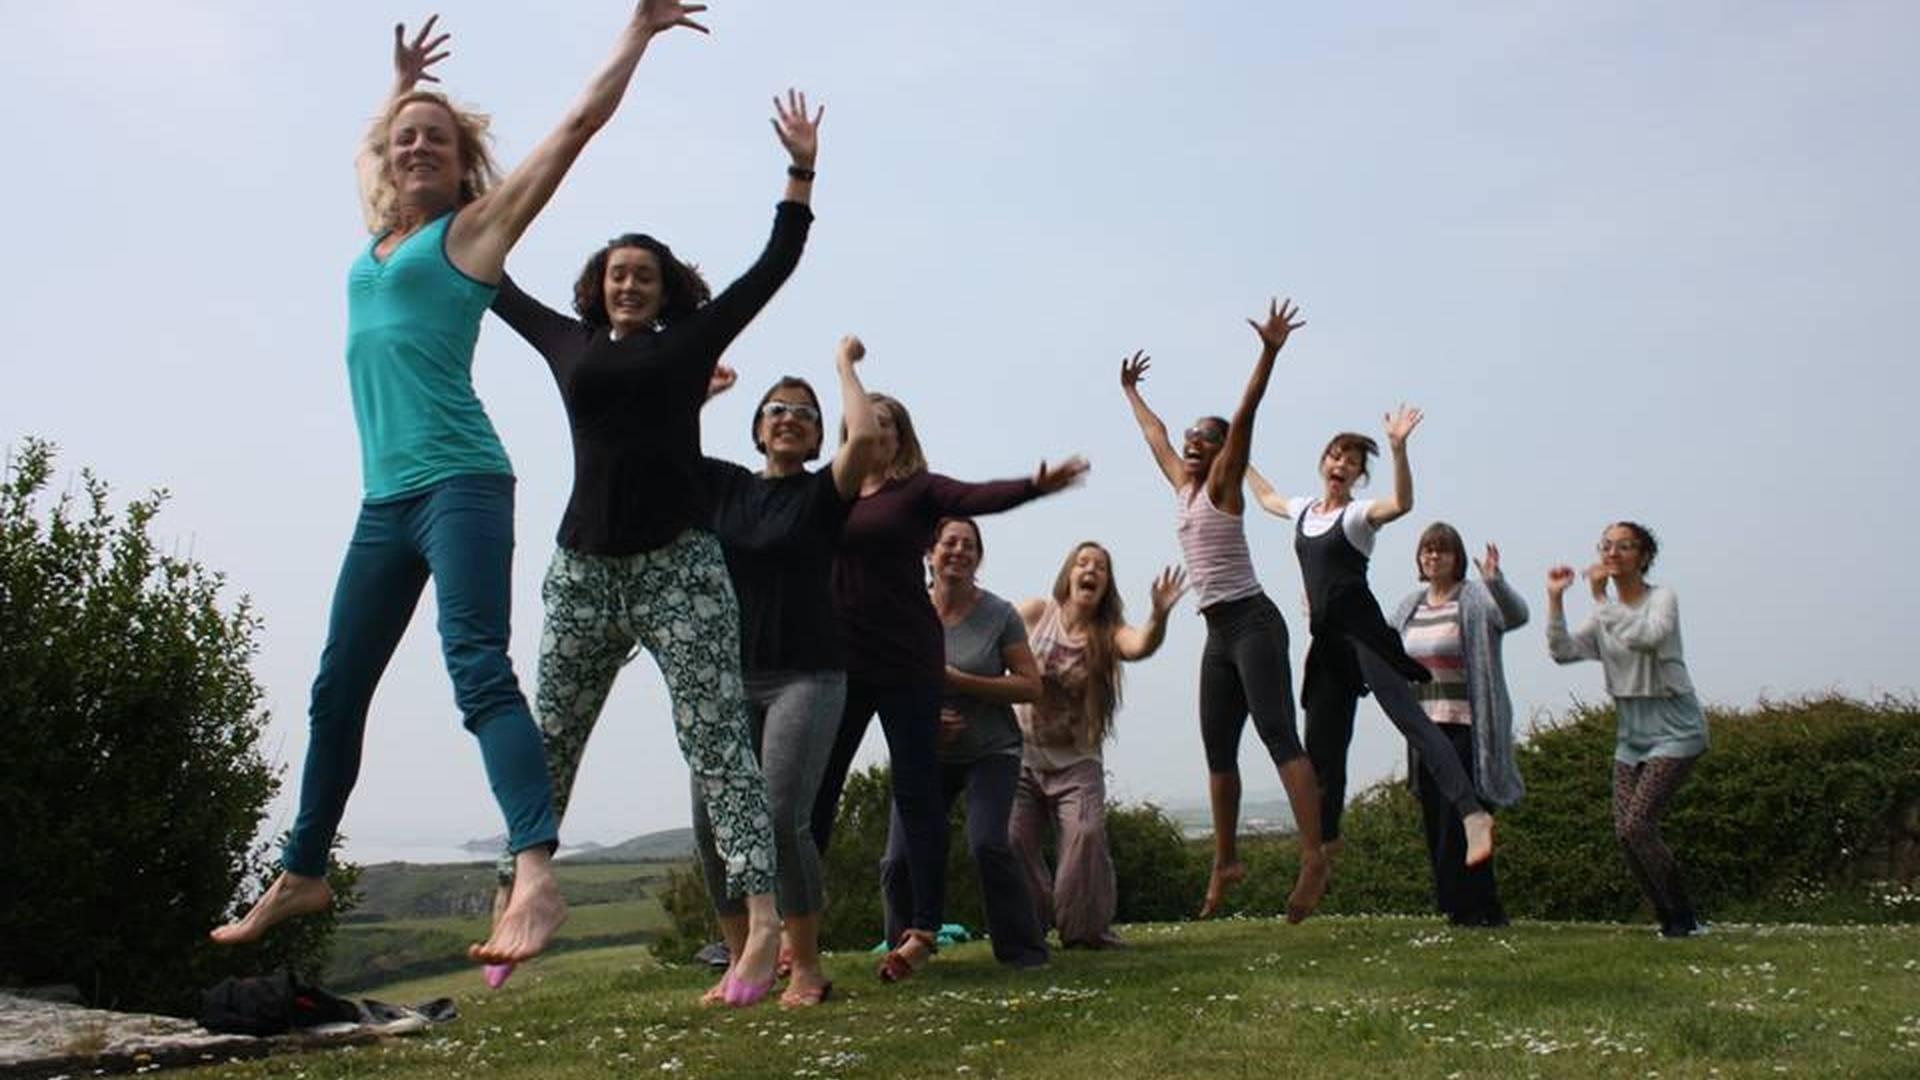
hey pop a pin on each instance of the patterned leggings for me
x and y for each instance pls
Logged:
(1641, 793)
(677, 602)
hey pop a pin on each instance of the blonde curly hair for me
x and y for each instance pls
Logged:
(379, 199)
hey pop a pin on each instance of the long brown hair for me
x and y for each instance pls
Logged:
(1103, 662)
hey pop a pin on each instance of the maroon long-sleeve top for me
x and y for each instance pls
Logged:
(893, 635)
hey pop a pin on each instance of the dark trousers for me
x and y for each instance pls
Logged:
(910, 719)
(1012, 923)
(1331, 701)
(1465, 894)
(459, 533)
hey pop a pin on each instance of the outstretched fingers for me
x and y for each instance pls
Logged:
(1134, 368)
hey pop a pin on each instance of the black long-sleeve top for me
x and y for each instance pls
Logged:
(633, 405)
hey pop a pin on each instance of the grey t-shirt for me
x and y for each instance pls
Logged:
(978, 646)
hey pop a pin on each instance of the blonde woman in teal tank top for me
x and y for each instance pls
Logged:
(438, 487)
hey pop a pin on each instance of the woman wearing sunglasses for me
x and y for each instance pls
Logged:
(638, 563)
(1244, 668)
(1635, 634)
(780, 528)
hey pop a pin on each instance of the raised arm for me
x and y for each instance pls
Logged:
(1132, 370)
(1138, 643)
(1399, 424)
(1230, 465)
(949, 497)
(800, 134)
(411, 63)
(1270, 500)
(483, 232)
(1565, 647)
(1510, 608)
(858, 455)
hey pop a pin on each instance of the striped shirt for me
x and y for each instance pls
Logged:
(1214, 544)
(1432, 637)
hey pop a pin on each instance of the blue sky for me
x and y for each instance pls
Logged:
(1634, 260)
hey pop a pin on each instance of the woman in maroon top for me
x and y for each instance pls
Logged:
(896, 650)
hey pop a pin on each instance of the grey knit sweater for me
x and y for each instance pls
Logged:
(1488, 609)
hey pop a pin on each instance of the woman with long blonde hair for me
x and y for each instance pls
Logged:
(438, 487)
(1079, 636)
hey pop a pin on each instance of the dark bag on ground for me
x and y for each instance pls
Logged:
(271, 1005)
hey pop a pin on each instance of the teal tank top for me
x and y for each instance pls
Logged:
(412, 321)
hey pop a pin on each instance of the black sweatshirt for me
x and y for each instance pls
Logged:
(633, 405)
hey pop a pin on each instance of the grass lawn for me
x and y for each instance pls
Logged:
(1359, 997)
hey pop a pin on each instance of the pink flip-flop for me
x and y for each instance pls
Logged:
(497, 974)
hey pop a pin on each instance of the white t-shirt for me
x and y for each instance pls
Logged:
(1353, 517)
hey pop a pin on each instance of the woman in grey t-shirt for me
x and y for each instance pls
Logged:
(989, 669)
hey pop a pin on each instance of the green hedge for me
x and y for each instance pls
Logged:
(1803, 811)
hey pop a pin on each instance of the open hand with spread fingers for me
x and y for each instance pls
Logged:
(1133, 369)
(1282, 320)
(1489, 564)
(1048, 479)
(1400, 424)
(411, 59)
(798, 131)
(659, 16)
(1168, 588)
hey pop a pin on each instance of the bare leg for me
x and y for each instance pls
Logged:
(1479, 828)
(533, 912)
(1223, 791)
(808, 984)
(1303, 795)
(290, 896)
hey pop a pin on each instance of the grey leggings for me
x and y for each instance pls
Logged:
(794, 716)
(1641, 793)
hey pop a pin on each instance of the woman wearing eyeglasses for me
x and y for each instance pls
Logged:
(897, 654)
(1244, 668)
(1634, 632)
(1454, 628)
(780, 528)
(638, 563)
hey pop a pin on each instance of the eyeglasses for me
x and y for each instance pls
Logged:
(774, 410)
(1207, 434)
(1624, 547)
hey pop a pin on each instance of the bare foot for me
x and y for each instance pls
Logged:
(717, 993)
(806, 989)
(531, 916)
(759, 956)
(290, 896)
(1479, 828)
(1223, 878)
(1309, 887)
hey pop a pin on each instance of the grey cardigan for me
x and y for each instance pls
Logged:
(1488, 609)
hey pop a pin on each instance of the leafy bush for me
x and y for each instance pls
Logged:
(130, 728)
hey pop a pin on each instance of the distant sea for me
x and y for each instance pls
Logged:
(382, 850)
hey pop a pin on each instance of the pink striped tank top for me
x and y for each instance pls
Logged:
(1214, 544)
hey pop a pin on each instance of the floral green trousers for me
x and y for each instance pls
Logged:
(677, 602)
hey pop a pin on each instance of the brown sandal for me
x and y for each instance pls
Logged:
(900, 965)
